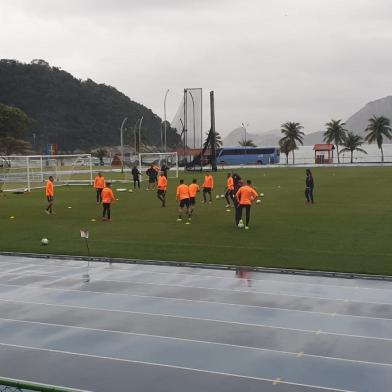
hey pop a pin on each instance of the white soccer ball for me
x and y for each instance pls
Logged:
(258, 201)
(217, 197)
(240, 224)
(44, 241)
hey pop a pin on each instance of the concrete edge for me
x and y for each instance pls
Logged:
(186, 264)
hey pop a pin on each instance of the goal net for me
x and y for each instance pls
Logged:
(24, 173)
(159, 161)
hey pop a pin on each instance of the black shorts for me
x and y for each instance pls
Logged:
(192, 201)
(161, 192)
(49, 198)
(207, 190)
(184, 203)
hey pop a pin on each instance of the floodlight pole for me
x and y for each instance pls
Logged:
(122, 143)
(243, 126)
(164, 115)
(213, 134)
(140, 135)
(194, 121)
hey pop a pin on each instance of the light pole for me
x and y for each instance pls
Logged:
(122, 143)
(140, 135)
(243, 126)
(164, 115)
(194, 121)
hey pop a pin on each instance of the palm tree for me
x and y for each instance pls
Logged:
(378, 128)
(352, 143)
(335, 133)
(218, 140)
(247, 143)
(292, 134)
(285, 148)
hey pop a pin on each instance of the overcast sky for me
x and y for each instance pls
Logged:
(267, 61)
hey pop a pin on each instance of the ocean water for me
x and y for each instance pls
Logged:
(305, 155)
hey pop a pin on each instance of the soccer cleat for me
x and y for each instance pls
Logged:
(210, 202)
(227, 205)
(47, 212)
(103, 219)
(179, 220)
(228, 210)
(188, 223)
(246, 227)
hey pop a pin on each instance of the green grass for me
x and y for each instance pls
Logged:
(348, 229)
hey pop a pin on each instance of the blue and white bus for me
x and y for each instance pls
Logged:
(248, 156)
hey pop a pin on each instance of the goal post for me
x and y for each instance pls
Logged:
(24, 173)
(159, 160)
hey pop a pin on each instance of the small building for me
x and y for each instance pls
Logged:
(323, 153)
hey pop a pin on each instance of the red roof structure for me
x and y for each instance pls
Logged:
(320, 151)
(323, 147)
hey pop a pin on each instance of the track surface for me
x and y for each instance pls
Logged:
(160, 328)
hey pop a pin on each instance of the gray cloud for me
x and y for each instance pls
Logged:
(268, 62)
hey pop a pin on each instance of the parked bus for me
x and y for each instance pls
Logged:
(248, 155)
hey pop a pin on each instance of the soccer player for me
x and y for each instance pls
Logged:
(309, 185)
(152, 174)
(107, 200)
(162, 187)
(136, 177)
(245, 195)
(193, 189)
(99, 184)
(229, 190)
(208, 186)
(182, 196)
(49, 192)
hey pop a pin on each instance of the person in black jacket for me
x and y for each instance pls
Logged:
(309, 185)
(152, 174)
(136, 177)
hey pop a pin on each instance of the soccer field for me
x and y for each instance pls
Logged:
(347, 229)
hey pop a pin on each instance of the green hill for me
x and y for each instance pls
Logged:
(76, 114)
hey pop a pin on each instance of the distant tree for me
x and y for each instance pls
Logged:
(335, 133)
(292, 135)
(352, 143)
(12, 146)
(100, 154)
(13, 121)
(378, 128)
(247, 143)
(286, 147)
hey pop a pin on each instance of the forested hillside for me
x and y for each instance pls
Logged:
(76, 114)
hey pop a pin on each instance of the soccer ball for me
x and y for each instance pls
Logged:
(44, 241)
(217, 197)
(258, 201)
(240, 224)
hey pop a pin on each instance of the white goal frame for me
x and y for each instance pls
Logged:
(172, 173)
(27, 172)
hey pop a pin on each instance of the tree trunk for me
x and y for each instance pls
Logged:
(352, 156)
(337, 151)
(293, 158)
(382, 154)
(287, 159)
